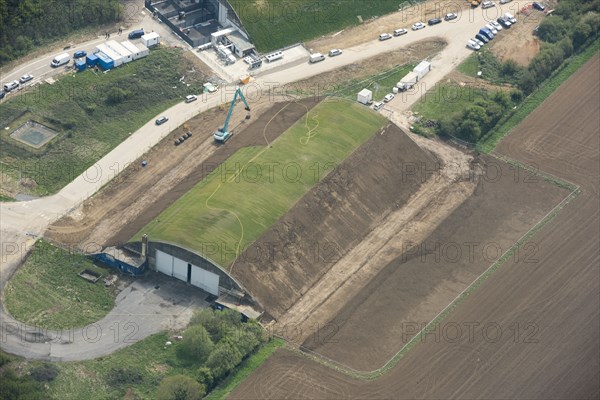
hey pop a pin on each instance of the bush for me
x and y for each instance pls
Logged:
(44, 373)
(123, 376)
(196, 344)
(553, 29)
(204, 377)
(218, 324)
(516, 96)
(223, 359)
(180, 387)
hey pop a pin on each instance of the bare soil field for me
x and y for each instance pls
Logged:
(518, 42)
(531, 330)
(427, 275)
(139, 194)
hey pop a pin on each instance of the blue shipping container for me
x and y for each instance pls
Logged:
(92, 60)
(105, 61)
(80, 65)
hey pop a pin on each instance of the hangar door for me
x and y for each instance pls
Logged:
(182, 270)
(205, 280)
(164, 263)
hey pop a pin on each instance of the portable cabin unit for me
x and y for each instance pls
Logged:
(91, 60)
(365, 96)
(117, 59)
(151, 39)
(137, 51)
(104, 61)
(122, 51)
(80, 65)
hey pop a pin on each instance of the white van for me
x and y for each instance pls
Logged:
(60, 59)
(378, 106)
(316, 57)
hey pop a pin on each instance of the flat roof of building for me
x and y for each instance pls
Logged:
(240, 42)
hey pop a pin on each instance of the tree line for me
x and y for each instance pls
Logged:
(26, 24)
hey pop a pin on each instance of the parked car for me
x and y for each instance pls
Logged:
(505, 1)
(482, 38)
(488, 4)
(388, 97)
(138, 33)
(505, 23)
(11, 86)
(492, 29)
(434, 21)
(2, 94)
(479, 42)
(335, 52)
(450, 16)
(378, 106)
(79, 54)
(400, 32)
(190, 98)
(496, 25)
(473, 45)
(510, 17)
(385, 36)
(161, 120)
(417, 26)
(26, 78)
(538, 6)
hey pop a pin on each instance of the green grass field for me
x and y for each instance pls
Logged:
(93, 113)
(256, 186)
(47, 292)
(273, 24)
(448, 99)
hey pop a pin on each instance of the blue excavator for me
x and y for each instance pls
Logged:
(223, 134)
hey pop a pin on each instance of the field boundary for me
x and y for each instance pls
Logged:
(537, 98)
(393, 361)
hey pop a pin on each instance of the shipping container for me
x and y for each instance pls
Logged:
(422, 69)
(104, 61)
(151, 39)
(80, 65)
(117, 59)
(122, 51)
(91, 60)
(137, 51)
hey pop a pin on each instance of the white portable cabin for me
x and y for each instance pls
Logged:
(365, 96)
(123, 52)
(422, 69)
(117, 59)
(138, 51)
(151, 39)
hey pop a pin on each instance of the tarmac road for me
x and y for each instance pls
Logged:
(21, 222)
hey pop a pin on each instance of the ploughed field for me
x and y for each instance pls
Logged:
(530, 330)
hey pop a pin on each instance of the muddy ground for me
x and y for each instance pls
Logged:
(544, 317)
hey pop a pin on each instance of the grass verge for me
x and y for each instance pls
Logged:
(47, 292)
(256, 186)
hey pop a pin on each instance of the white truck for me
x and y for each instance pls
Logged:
(422, 69)
(415, 76)
(60, 59)
(316, 57)
(365, 97)
(408, 81)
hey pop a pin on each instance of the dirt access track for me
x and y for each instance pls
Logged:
(545, 311)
